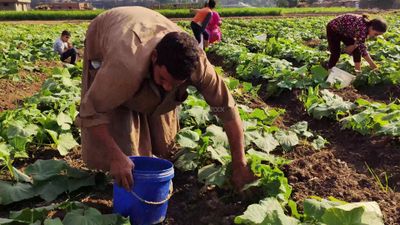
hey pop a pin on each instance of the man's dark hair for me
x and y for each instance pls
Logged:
(65, 33)
(179, 53)
(211, 4)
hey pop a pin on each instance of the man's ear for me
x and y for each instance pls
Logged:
(154, 56)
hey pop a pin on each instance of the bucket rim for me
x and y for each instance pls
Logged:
(150, 174)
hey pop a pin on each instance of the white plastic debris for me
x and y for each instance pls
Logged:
(337, 75)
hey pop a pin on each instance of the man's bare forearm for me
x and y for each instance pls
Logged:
(102, 134)
(234, 131)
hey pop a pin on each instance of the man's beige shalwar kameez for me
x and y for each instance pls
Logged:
(122, 94)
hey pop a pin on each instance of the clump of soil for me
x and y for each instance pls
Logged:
(193, 203)
(341, 170)
(313, 43)
(13, 92)
(382, 92)
(324, 175)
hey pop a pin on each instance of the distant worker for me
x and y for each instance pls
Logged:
(200, 22)
(64, 47)
(213, 27)
(353, 30)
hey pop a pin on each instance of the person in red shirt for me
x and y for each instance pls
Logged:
(200, 22)
(353, 30)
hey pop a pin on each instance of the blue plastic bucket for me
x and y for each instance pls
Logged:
(148, 201)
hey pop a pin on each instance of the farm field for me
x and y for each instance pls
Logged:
(170, 13)
(316, 149)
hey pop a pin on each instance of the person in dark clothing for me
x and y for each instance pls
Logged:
(201, 20)
(353, 30)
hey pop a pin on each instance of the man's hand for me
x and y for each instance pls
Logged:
(241, 175)
(121, 170)
(70, 45)
(120, 165)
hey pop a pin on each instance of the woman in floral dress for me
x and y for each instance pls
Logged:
(353, 30)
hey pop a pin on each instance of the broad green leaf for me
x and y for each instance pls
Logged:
(362, 213)
(219, 153)
(64, 121)
(19, 142)
(77, 173)
(319, 143)
(273, 159)
(55, 221)
(213, 175)
(217, 135)
(187, 161)
(65, 143)
(43, 170)
(89, 216)
(15, 192)
(75, 184)
(31, 215)
(4, 151)
(319, 74)
(16, 128)
(4, 221)
(267, 212)
(200, 114)
(52, 188)
(314, 209)
(293, 209)
(301, 128)
(266, 143)
(54, 135)
(232, 83)
(287, 139)
(187, 138)
(259, 114)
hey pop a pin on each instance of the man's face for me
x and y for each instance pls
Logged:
(163, 78)
(65, 38)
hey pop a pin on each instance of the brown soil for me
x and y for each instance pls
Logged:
(13, 92)
(340, 171)
(313, 43)
(383, 92)
(351, 94)
(194, 204)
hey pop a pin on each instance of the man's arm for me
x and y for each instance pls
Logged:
(120, 165)
(241, 173)
(217, 95)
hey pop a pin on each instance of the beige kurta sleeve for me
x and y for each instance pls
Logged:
(117, 80)
(214, 90)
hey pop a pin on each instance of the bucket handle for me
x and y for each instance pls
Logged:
(171, 189)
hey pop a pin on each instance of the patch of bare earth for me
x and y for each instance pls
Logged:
(341, 170)
(28, 83)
